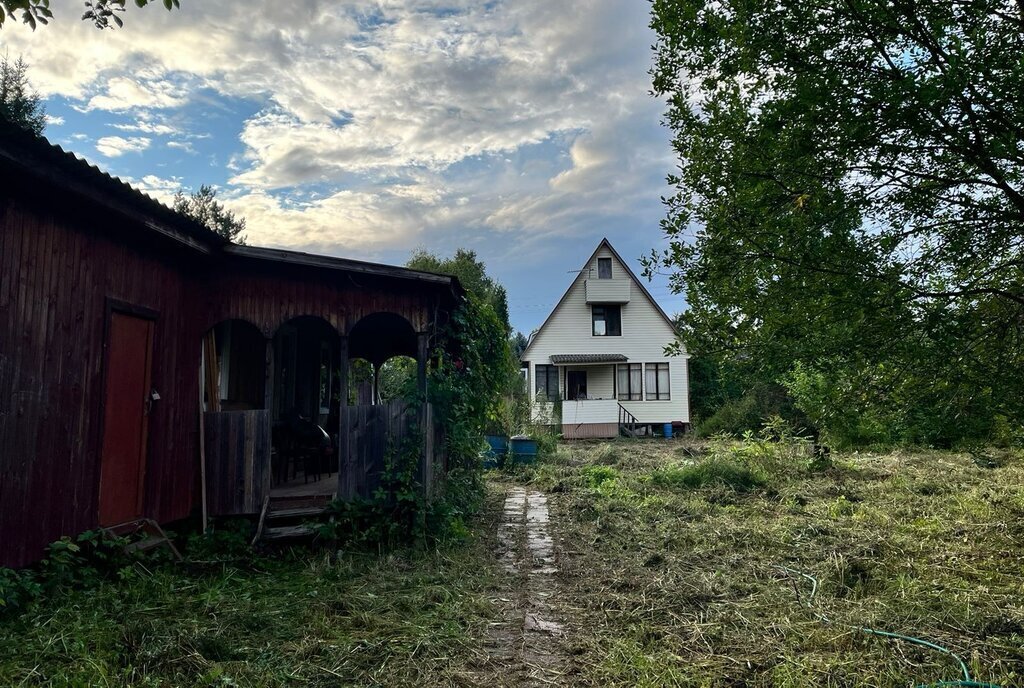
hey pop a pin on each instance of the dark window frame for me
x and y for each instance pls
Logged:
(549, 375)
(601, 264)
(605, 311)
(625, 392)
(658, 394)
(578, 394)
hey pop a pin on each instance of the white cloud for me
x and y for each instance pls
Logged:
(409, 118)
(147, 128)
(52, 120)
(127, 93)
(159, 188)
(115, 146)
(183, 146)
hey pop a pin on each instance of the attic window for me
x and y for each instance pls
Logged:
(604, 268)
(607, 321)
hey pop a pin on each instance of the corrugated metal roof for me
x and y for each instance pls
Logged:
(559, 359)
(38, 157)
(24, 152)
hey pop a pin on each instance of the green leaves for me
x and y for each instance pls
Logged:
(102, 13)
(203, 207)
(851, 189)
(33, 12)
(19, 104)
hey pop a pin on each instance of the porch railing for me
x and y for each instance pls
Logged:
(627, 421)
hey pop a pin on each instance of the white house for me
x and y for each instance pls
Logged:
(601, 352)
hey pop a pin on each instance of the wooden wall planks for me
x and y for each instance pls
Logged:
(59, 281)
(237, 472)
(62, 269)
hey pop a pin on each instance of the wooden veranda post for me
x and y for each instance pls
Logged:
(422, 356)
(344, 464)
(268, 384)
(425, 420)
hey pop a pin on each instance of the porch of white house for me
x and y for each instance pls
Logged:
(591, 407)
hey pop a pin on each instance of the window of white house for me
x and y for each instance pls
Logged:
(629, 376)
(607, 321)
(547, 381)
(604, 268)
(657, 382)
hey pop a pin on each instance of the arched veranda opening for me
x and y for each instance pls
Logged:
(384, 344)
(305, 408)
(233, 367)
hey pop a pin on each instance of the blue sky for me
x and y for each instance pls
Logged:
(522, 129)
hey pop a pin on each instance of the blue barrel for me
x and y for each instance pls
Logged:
(524, 449)
(497, 449)
(668, 430)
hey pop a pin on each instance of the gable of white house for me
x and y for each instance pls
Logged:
(645, 333)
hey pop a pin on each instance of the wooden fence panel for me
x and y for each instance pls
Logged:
(237, 461)
(371, 432)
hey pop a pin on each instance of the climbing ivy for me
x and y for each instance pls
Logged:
(468, 386)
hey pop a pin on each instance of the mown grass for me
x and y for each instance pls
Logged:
(298, 617)
(670, 552)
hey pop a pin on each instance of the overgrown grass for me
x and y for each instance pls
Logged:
(297, 617)
(712, 471)
(669, 556)
(669, 564)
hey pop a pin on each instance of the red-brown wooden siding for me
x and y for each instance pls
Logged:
(268, 295)
(57, 276)
(59, 272)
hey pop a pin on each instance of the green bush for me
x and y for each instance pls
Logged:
(597, 477)
(712, 470)
(80, 562)
(229, 539)
(546, 438)
(18, 589)
(750, 412)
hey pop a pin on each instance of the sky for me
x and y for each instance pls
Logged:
(521, 129)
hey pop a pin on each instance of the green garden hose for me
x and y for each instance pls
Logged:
(966, 681)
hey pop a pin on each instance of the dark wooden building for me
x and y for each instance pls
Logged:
(148, 367)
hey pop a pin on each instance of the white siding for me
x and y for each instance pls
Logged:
(645, 334)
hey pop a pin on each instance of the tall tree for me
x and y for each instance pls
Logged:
(20, 104)
(472, 273)
(850, 196)
(204, 207)
(519, 342)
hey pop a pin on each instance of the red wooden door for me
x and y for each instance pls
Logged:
(125, 415)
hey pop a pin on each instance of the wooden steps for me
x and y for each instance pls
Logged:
(290, 519)
(301, 531)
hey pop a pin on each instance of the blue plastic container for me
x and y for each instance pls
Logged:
(667, 431)
(497, 450)
(524, 449)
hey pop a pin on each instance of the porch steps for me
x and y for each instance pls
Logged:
(287, 532)
(627, 423)
(290, 519)
(297, 512)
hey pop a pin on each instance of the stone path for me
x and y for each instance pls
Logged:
(531, 641)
